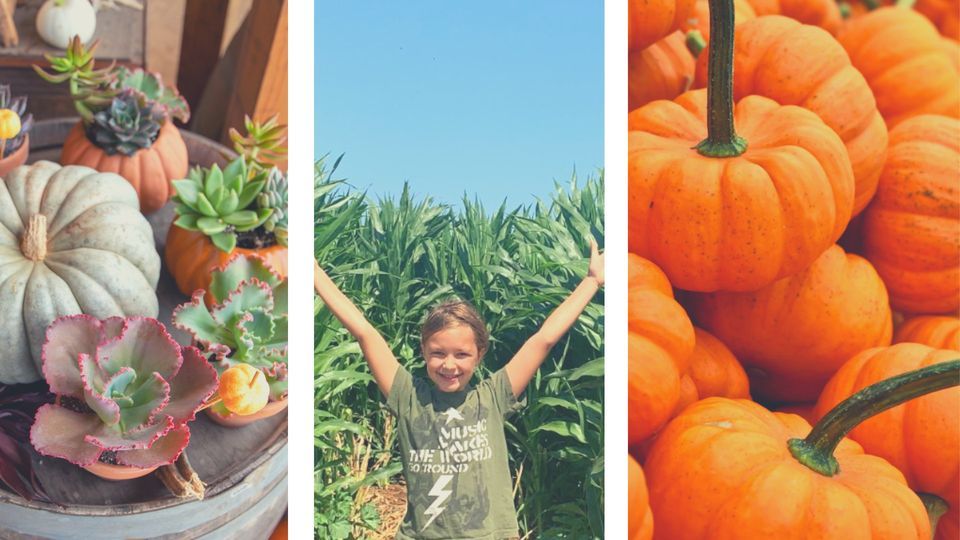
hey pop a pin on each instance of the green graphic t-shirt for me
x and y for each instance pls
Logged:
(455, 458)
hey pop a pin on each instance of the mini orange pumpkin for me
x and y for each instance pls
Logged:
(733, 212)
(660, 342)
(663, 70)
(920, 437)
(149, 170)
(902, 57)
(795, 333)
(190, 256)
(730, 469)
(652, 20)
(822, 13)
(641, 519)
(798, 64)
(715, 371)
(911, 232)
(244, 390)
(939, 332)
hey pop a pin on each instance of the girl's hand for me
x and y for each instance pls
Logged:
(596, 263)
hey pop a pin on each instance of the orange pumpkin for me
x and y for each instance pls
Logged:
(650, 21)
(934, 331)
(641, 519)
(660, 342)
(150, 170)
(715, 371)
(723, 469)
(733, 212)
(952, 48)
(190, 256)
(663, 70)
(943, 13)
(822, 13)
(911, 232)
(902, 57)
(798, 64)
(795, 333)
(803, 410)
(920, 438)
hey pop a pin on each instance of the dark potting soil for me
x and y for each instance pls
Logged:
(258, 238)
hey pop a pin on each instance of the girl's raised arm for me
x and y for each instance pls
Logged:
(379, 357)
(526, 362)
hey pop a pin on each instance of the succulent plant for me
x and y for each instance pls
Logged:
(124, 386)
(274, 195)
(217, 202)
(264, 144)
(18, 105)
(90, 87)
(247, 324)
(149, 86)
(128, 125)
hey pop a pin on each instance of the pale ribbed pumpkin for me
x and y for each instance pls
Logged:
(71, 241)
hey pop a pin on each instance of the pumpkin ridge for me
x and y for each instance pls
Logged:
(118, 255)
(67, 282)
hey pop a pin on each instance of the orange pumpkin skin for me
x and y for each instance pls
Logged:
(803, 410)
(150, 170)
(822, 13)
(902, 57)
(911, 231)
(660, 342)
(715, 371)
(939, 332)
(736, 223)
(795, 333)
(722, 470)
(921, 437)
(798, 64)
(640, 519)
(663, 70)
(190, 256)
(652, 20)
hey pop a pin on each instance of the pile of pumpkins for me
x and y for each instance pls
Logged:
(794, 229)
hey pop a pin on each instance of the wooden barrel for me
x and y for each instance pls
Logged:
(245, 469)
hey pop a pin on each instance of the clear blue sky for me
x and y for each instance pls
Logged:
(497, 98)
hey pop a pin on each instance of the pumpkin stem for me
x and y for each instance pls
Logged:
(816, 451)
(695, 43)
(871, 4)
(722, 140)
(34, 241)
(845, 10)
(936, 508)
(906, 4)
(253, 379)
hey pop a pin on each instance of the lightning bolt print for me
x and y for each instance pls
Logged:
(442, 494)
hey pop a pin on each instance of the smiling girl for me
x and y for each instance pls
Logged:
(452, 440)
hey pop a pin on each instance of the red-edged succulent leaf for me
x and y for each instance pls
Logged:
(238, 269)
(249, 295)
(147, 402)
(93, 383)
(141, 438)
(111, 328)
(145, 345)
(194, 384)
(66, 339)
(194, 318)
(164, 450)
(61, 433)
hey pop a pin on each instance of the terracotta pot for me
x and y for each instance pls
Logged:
(17, 158)
(190, 255)
(118, 472)
(150, 170)
(235, 420)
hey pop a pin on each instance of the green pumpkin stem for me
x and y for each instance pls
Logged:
(722, 140)
(816, 451)
(905, 4)
(871, 4)
(936, 508)
(695, 43)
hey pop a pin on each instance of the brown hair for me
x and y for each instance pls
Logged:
(455, 313)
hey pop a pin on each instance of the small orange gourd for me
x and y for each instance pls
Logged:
(663, 70)
(641, 519)
(652, 20)
(939, 332)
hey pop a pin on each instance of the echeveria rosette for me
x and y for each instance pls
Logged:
(130, 389)
(247, 323)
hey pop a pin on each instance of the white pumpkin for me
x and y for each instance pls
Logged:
(72, 240)
(59, 20)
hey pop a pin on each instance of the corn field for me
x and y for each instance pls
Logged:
(395, 258)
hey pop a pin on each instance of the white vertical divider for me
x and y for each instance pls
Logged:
(615, 331)
(300, 169)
